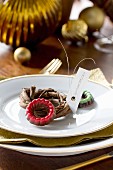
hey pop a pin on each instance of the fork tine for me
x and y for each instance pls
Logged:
(47, 66)
(56, 67)
(52, 67)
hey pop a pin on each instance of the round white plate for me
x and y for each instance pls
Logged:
(61, 151)
(12, 116)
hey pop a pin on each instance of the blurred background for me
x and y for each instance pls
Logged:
(29, 32)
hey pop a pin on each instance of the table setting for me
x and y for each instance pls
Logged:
(16, 134)
(15, 129)
(41, 52)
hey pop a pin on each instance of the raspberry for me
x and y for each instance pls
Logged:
(40, 112)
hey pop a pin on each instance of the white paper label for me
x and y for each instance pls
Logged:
(85, 117)
(77, 88)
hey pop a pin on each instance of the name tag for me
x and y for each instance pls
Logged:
(76, 89)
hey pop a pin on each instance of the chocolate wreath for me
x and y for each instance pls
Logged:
(44, 105)
(57, 99)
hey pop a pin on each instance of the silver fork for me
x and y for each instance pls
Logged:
(51, 67)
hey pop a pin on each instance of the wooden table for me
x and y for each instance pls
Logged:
(41, 55)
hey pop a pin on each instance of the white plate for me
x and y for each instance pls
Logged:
(61, 151)
(12, 116)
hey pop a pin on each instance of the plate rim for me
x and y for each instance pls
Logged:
(63, 151)
(50, 75)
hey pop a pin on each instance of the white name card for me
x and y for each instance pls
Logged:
(77, 88)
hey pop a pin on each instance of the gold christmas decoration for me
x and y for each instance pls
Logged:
(75, 30)
(22, 55)
(93, 16)
(27, 22)
(106, 5)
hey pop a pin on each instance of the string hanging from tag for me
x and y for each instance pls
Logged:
(82, 61)
(67, 59)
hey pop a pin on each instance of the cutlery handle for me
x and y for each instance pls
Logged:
(88, 162)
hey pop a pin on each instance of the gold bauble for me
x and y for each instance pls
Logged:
(93, 16)
(22, 55)
(28, 22)
(75, 30)
(106, 5)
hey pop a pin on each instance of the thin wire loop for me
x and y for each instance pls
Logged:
(67, 58)
(81, 61)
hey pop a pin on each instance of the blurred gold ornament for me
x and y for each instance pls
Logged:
(75, 30)
(27, 22)
(93, 16)
(106, 5)
(22, 55)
